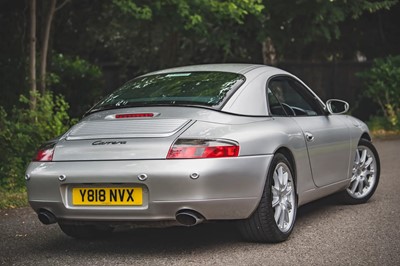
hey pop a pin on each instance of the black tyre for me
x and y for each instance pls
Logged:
(275, 216)
(365, 175)
(85, 231)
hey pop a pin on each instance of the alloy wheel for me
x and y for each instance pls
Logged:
(364, 173)
(283, 197)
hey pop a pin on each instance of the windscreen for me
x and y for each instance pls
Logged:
(209, 89)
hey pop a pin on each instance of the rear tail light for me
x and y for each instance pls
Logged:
(198, 149)
(45, 153)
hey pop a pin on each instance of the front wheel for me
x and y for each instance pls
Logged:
(274, 218)
(365, 174)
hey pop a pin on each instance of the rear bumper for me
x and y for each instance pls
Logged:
(227, 188)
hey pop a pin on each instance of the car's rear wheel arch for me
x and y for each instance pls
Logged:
(289, 156)
(273, 219)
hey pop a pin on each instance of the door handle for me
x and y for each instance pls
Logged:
(309, 136)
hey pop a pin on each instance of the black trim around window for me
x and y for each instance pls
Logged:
(302, 91)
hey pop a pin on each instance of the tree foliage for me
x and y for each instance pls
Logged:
(169, 33)
(383, 86)
(143, 35)
(136, 36)
(22, 131)
(310, 29)
(77, 80)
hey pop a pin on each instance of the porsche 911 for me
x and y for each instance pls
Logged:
(206, 143)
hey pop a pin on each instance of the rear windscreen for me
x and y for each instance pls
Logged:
(210, 89)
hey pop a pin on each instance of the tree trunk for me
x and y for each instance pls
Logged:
(32, 55)
(45, 46)
(269, 52)
(169, 49)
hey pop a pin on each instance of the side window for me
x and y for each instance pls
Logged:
(275, 106)
(288, 97)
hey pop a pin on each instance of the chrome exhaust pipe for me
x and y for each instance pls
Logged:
(47, 217)
(189, 218)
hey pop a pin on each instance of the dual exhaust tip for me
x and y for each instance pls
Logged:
(184, 217)
(189, 217)
(46, 217)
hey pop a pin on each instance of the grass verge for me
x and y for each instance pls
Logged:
(13, 199)
(381, 128)
(385, 134)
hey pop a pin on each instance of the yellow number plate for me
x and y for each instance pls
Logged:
(117, 196)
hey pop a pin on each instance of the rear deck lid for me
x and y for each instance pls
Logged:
(126, 128)
(120, 139)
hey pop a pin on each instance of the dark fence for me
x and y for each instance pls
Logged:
(328, 80)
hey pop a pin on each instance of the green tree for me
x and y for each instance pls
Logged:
(142, 35)
(175, 30)
(305, 29)
(22, 131)
(79, 81)
(43, 50)
(383, 86)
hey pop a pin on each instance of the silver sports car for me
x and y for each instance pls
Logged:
(192, 144)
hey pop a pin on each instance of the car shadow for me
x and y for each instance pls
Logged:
(175, 240)
(318, 206)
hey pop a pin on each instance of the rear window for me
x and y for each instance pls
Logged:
(209, 89)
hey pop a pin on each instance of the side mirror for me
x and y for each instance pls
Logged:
(336, 107)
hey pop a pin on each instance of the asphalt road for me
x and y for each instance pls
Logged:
(326, 233)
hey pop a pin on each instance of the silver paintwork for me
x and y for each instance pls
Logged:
(226, 189)
(125, 128)
(322, 148)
